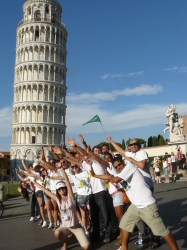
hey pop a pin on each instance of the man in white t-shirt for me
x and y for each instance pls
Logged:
(143, 205)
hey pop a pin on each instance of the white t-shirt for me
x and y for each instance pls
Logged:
(52, 181)
(172, 158)
(96, 184)
(169, 159)
(157, 169)
(137, 190)
(69, 174)
(164, 164)
(82, 183)
(37, 180)
(139, 156)
(114, 186)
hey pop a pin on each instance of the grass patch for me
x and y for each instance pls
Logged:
(13, 192)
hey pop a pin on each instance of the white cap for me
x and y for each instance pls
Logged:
(60, 185)
(35, 164)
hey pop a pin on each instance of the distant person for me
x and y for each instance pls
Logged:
(173, 166)
(179, 159)
(165, 168)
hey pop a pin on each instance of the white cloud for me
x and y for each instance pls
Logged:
(142, 116)
(177, 69)
(171, 69)
(5, 121)
(143, 89)
(140, 73)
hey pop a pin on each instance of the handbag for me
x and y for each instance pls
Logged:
(123, 194)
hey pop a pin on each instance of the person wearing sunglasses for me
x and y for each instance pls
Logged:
(67, 207)
(98, 198)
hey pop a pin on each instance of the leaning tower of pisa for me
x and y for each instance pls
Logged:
(39, 105)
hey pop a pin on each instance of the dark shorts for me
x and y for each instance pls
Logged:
(157, 173)
(39, 194)
(82, 200)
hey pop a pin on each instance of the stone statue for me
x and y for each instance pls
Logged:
(174, 124)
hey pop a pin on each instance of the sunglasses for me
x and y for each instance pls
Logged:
(74, 167)
(52, 162)
(118, 165)
(42, 170)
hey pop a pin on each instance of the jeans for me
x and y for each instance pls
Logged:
(180, 164)
(34, 203)
(98, 202)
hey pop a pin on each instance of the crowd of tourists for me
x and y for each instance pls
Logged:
(78, 185)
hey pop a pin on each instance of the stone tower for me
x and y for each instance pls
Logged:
(39, 105)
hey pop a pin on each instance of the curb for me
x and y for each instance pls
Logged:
(169, 190)
(14, 216)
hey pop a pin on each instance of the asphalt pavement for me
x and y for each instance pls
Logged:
(19, 233)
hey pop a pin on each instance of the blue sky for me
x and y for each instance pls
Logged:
(127, 62)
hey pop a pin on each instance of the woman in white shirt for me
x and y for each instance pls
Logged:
(82, 186)
(67, 207)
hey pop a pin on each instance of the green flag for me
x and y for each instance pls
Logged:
(94, 119)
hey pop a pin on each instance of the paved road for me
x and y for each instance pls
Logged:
(19, 233)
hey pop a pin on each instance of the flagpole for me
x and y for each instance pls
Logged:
(103, 128)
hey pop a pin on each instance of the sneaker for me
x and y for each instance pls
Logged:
(87, 234)
(119, 248)
(32, 219)
(40, 222)
(107, 240)
(50, 225)
(38, 217)
(44, 224)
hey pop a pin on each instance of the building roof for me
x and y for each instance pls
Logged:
(5, 153)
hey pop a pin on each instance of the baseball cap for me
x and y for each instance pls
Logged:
(60, 185)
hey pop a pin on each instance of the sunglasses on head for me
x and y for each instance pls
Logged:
(118, 165)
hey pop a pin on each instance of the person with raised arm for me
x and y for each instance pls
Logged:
(34, 202)
(67, 207)
(98, 198)
(114, 189)
(143, 205)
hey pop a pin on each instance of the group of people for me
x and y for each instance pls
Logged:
(78, 184)
(169, 165)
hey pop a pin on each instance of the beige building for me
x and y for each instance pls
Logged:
(39, 105)
(4, 162)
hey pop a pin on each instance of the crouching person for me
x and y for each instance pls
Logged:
(67, 207)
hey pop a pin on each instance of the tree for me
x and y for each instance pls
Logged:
(123, 144)
(111, 147)
(150, 141)
(155, 141)
(144, 145)
(161, 141)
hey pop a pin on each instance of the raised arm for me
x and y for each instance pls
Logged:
(73, 161)
(24, 165)
(139, 164)
(67, 153)
(46, 191)
(69, 188)
(52, 151)
(83, 141)
(20, 177)
(106, 177)
(97, 158)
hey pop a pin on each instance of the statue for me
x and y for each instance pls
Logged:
(174, 124)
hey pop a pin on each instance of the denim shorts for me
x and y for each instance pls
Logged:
(39, 194)
(166, 171)
(82, 200)
(117, 200)
(46, 198)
